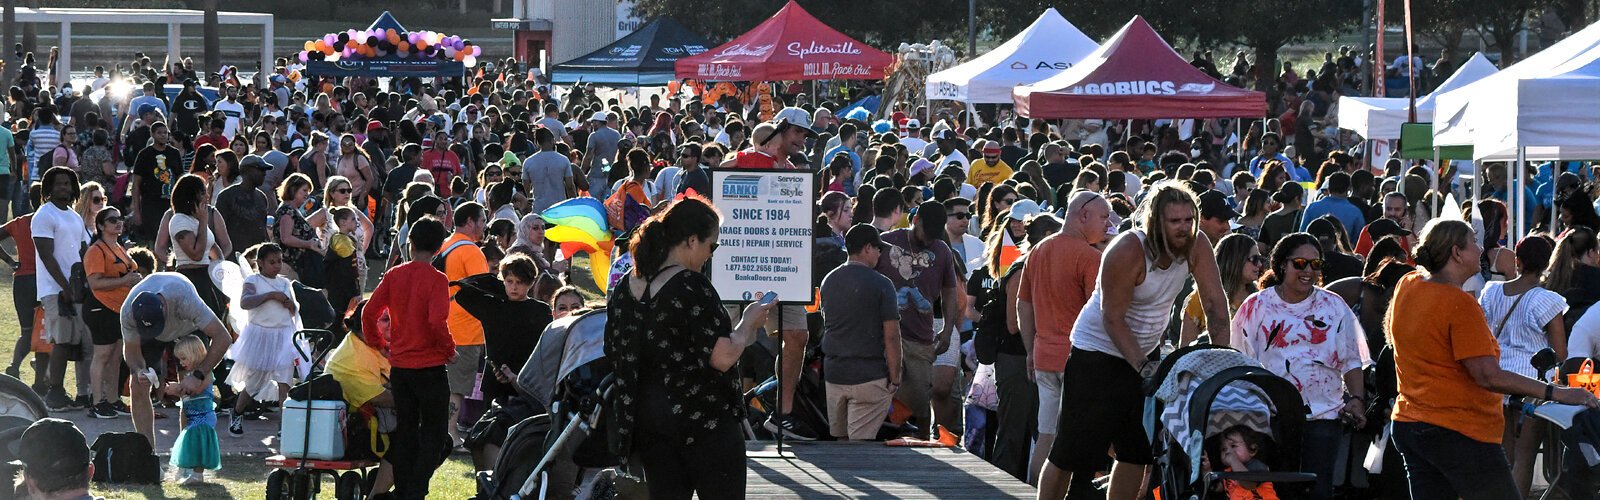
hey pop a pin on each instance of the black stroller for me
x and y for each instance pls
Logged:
(581, 382)
(1198, 392)
(19, 408)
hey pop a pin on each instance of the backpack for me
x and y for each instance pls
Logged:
(125, 458)
(990, 330)
(439, 259)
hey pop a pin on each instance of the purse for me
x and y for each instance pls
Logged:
(1586, 378)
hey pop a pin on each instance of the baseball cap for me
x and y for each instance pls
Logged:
(920, 165)
(599, 116)
(861, 235)
(146, 108)
(375, 125)
(255, 161)
(1386, 227)
(275, 159)
(1023, 209)
(1214, 205)
(913, 123)
(148, 314)
(52, 447)
(946, 135)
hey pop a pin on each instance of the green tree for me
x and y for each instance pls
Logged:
(1263, 26)
(880, 24)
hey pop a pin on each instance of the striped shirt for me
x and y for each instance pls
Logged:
(44, 140)
(1523, 333)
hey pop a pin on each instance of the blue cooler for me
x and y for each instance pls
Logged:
(322, 427)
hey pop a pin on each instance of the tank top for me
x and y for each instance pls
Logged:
(1148, 313)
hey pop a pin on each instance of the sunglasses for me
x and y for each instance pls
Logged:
(1008, 201)
(961, 215)
(98, 199)
(344, 190)
(1259, 260)
(113, 220)
(1301, 263)
(714, 246)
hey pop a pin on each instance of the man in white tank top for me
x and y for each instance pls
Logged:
(1102, 402)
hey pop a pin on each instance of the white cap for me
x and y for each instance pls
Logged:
(599, 116)
(913, 123)
(1023, 209)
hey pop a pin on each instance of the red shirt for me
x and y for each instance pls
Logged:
(444, 165)
(21, 231)
(417, 298)
(217, 140)
(751, 158)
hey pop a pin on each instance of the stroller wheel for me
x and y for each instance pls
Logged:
(276, 487)
(349, 486)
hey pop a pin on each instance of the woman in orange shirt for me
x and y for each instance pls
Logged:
(111, 274)
(1447, 420)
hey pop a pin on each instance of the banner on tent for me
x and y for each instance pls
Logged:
(766, 241)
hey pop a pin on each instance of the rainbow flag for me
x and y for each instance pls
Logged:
(579, 224)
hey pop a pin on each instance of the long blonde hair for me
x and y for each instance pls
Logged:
(189, 347)
(1164, 194)
(84, 195)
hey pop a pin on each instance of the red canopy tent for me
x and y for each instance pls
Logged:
(1135, 75)
(791, 45)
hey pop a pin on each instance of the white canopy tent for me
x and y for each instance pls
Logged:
(1380, 117)
(1047, 47)
(174, 19)
(1547, 106)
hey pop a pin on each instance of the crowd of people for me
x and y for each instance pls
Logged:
(1013, 282)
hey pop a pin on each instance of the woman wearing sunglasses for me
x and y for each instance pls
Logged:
(1240, 261)
(1306, 334)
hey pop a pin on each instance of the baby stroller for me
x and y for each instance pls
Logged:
(1200, 391)
(576, 395)
(19, 408)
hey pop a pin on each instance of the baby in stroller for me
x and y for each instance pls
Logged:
(1240, 448)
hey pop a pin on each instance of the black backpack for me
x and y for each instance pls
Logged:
(991, 329)
(125, 458)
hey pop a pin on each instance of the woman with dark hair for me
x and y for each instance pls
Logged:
(632, 186)
(1577, 209)
(1368, 294)
(838, 173)
(1498, 261)
(1573, 272)
(96, 164)
(194, 232)
(356, 167)
(1308, 335)
(1273, 175)
(294, 232)
(111, 274)
(998, 210)
(1525, 318)
(1448, 422)
(1255, 213)
(227, 171)
(676, 406)
(1240, 261)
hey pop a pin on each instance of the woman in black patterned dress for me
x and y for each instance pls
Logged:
(676, 406)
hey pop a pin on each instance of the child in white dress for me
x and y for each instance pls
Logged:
(264, 357)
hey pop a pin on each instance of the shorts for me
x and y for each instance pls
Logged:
(105, 326)
(64, 329)
(951, 356)
(1049, 400)
(1103, 400)
(463, 372)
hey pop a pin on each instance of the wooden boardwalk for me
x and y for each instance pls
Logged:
(872, 470)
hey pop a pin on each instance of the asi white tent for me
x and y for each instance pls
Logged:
(1047, 47)
(1546, 107)
(1381, 117)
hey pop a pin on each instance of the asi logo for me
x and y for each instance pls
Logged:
(1019, 65)
(741, 187)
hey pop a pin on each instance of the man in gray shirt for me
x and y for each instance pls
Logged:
(159, 310)
(547, 174)
(552, 122)
(861, 338)
(600, 152)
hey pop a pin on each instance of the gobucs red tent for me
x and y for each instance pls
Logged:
(1135, 75)
(791, 45)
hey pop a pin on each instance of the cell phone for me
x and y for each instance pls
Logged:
(769, 298)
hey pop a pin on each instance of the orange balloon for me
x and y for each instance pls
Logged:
(403, 46)
(422, 45)
(309, 46)
(461, 56)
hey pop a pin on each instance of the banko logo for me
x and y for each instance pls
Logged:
(741, 187)
(1053, 65)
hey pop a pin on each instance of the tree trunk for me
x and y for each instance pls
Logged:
(9, 30)
(213, 40)
(498, 7)
(1267, 74)
(463, 6)
(30, 34)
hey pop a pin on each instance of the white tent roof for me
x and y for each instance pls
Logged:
(1381, 117)
(1047, 47)
(1548, 104)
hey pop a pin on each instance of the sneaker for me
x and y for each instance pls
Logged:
(121, 408)
(83, 401)
(102, 410)
(791, 428)
(192, 479)
(14, 371)
(235, 426)
(57, 402)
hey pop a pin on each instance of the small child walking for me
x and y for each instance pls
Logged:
(264, 357)
(197, 448)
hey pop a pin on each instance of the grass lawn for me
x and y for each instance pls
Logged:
(242, 476)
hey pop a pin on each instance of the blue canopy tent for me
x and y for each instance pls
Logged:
(645, 57)
(391, 65)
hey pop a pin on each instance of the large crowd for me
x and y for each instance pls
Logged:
(1011, 282)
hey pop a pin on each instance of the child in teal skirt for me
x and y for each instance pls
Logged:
(197, 448)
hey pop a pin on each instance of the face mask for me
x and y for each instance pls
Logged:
(1194, 152)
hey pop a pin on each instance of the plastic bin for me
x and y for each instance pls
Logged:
(326, 430)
